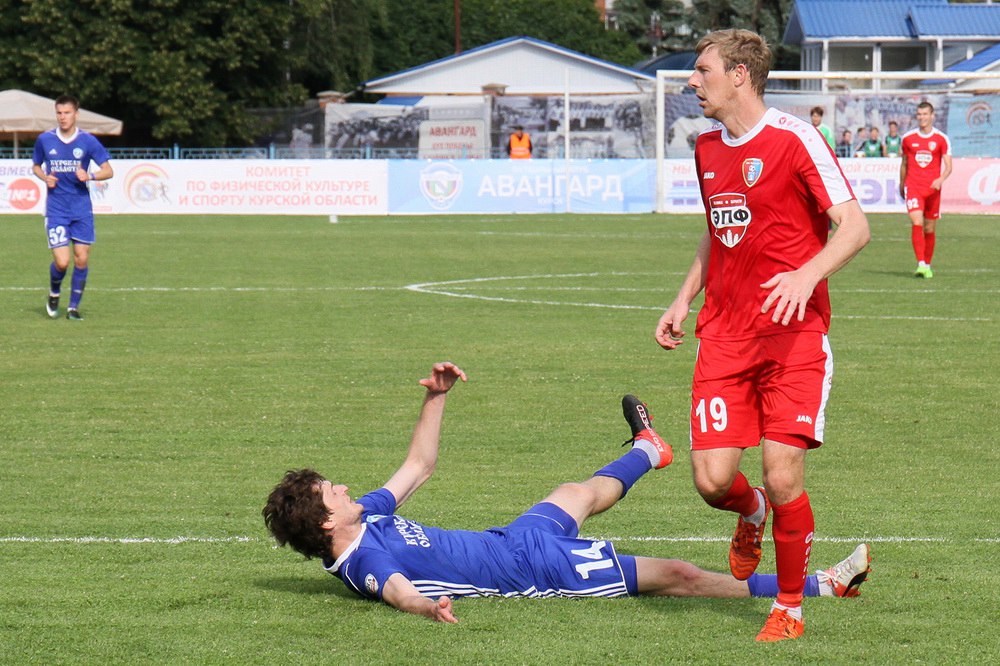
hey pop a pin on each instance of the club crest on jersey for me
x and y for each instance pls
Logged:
(371, 584)
(78, 153)
(753, 167)
(730, 217)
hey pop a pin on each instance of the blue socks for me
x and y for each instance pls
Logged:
(55, 279)
(79, 281)
(628, 469)
(766, 585)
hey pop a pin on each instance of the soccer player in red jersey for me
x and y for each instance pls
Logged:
(770, 185)
(925, 166)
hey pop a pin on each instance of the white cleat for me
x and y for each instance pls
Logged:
(845, 577)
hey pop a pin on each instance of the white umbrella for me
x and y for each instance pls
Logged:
(27, 113)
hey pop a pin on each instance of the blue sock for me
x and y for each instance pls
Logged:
(79, 282)
(628, 469)
(766, 585)
(55, 279)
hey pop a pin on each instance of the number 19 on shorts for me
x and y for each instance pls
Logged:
(713, 413)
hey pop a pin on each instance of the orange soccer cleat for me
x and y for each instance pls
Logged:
(780, 626)
(744, 549)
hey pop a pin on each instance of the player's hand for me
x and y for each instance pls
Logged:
(442, 611)
(937, 183)
(790, 293)
(82, 175)
(668, 331)
(51, 180)
(443, 377)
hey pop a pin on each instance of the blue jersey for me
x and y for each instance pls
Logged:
(70, 198)
(535, 556)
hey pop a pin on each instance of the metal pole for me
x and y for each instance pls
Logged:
(566, 137)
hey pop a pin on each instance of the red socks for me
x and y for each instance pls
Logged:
(917, 238)
(929, 247)
(741, 497)
(792, 528)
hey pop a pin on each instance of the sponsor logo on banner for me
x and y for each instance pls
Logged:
(21, 194)
(147, 184)
(984, 185)
(440, 183)
(753, 167)
(978, 114)
(730, 217)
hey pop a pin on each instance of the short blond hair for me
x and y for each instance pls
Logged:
(741, 47)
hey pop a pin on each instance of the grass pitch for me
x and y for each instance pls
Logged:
(217, 352)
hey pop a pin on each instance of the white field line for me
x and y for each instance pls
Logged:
(87, 540)
(464, 289)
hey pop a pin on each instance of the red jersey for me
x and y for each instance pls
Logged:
(924, 155)
(766, 195)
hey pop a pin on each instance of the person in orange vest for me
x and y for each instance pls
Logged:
(519, 144)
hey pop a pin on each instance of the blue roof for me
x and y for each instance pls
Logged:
(981, 60)
(821, 19)
(957, 20)
(907, 19)
(401, 100)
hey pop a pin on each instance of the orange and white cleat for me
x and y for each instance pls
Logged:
(744, 549)
(845, 577)
(640, 422)
(780, 626)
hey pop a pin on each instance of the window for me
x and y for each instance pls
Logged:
(852, 59)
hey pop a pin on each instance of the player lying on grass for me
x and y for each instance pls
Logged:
(418, 569)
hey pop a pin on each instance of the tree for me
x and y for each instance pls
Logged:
(654, 25)
(424, 31)
(767, 17)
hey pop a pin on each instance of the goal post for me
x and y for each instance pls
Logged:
(827, 86)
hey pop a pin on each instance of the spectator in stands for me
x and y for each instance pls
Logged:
(893, 142)
(845, 147)
(860, 136)
(816, 117)
(872, 147)
(519, 144)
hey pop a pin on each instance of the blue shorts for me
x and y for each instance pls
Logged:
(61, 230)
(544, 539)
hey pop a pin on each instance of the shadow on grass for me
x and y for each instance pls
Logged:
(312, 586)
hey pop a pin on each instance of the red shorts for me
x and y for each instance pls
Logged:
(772, 387)
(927, 200)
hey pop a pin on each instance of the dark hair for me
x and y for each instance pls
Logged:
(295, 513)
(893, 122)
(68, 99)
(926, 105)
(818, 110)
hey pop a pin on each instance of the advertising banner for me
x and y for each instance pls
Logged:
(521, 186)
(259, 187)
(974, 186)
(362, 187)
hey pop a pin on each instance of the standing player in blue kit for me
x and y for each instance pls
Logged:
(62, 159)
(418, 569)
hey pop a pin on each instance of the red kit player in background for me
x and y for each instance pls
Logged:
(770, 185)
(925, 166)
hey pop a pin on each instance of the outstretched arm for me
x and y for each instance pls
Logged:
(402, 595)
(422, 456)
